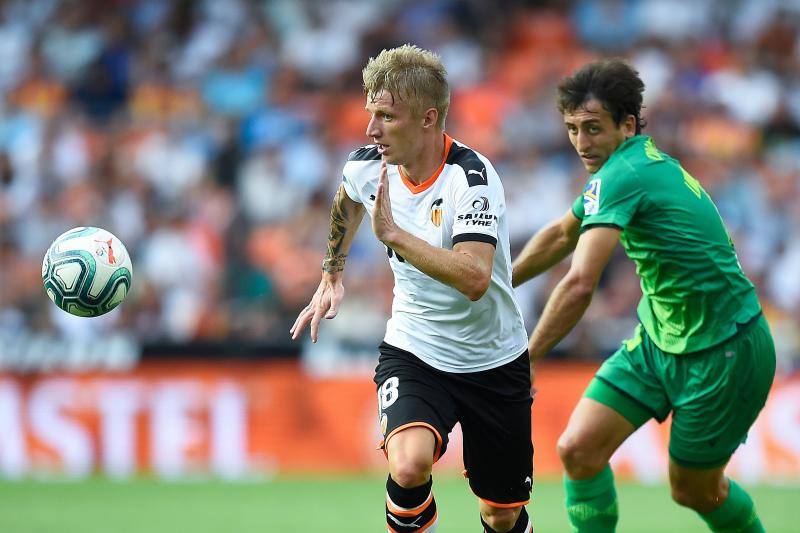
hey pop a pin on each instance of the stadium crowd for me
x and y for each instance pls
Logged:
(210, 135)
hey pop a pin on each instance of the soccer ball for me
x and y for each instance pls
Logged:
(87, 271)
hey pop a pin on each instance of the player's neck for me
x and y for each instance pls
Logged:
(427, 161)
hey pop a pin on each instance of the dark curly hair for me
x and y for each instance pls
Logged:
(613, 82)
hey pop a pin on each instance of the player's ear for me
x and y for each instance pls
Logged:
(430, 118)
(629, 126)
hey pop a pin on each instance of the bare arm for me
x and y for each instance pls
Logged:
(346, 216)
(467, 267)
(546, 248)
(573, 294)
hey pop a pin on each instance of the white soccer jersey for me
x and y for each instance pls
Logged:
(463, 201)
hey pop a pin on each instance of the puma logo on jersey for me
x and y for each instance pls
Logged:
(476, 177)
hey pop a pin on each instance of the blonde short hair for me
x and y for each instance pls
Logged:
(410, 74)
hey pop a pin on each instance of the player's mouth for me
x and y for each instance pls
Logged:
(590, 160)
(381, 148)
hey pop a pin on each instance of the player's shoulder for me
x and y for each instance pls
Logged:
(365, 153)
(362, 163)
(641, 156)
(476, 167)
(627, 165)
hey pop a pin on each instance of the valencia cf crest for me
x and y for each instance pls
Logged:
(436, 212)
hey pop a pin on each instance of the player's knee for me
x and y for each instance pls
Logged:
(579, 457)
(410, 471)
(500, 519)
(702, 500)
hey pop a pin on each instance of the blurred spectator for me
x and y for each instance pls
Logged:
(210, 137)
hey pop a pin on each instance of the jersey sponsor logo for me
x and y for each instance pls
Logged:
(591, 197)
(481, 204)
(436, 212)
(477, 219)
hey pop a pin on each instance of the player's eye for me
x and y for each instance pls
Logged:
(593, 130)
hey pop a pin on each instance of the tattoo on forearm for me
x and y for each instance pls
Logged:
(334, 264)
(334, 259)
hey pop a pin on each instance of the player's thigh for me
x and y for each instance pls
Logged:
(495, 415)
(629, 383)
(718, 394)
(593, 433)
(411, 395)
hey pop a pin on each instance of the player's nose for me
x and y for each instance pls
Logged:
(373, 131)
(582, 141)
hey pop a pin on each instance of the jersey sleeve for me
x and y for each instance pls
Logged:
(609, 201)
(356, 169)
(478, 204)
(350, 186)
(577, 207)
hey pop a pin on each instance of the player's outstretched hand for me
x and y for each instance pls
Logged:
(382, 220)
(325, 302)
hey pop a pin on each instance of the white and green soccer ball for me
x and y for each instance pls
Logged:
(87, 271)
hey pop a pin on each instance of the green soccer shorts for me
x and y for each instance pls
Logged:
(714, 395)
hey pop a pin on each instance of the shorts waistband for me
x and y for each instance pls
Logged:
(741, 327)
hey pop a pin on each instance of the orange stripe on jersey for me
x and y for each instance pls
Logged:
(505, 505)
(399, 511)
(425, 185)
(436, 452)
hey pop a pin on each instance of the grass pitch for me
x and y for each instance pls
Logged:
(326, 504)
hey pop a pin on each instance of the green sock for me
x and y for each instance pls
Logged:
(737, 514)
(592, 503)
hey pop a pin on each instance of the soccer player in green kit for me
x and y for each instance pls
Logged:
(702, 352)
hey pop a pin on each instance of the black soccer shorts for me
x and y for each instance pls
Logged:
(493, 407)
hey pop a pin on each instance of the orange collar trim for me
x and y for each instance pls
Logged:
(425, 185)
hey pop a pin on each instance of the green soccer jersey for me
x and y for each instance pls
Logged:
(694, 292)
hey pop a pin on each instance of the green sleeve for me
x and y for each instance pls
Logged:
(577, 207)
(611, 200)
